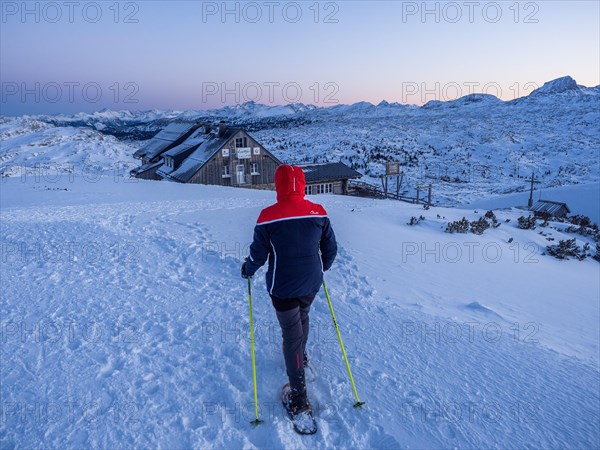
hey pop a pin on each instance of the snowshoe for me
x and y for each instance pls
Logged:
(301, 416)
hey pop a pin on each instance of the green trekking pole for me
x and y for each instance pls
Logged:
(358, 403)
(256, 421)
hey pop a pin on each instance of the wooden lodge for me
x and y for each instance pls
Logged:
(549, 208)
(202, 154)
(186, 152)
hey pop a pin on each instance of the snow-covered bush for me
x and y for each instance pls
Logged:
(414, 221)
(581, 220)
(479, 226)
(458, 226)
(526, 223)
(488, 220)
(568, 248)
(545, 218)
(583, 225)
(491, 219)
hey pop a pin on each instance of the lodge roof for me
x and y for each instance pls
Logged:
(328, 172)
(209, 147)
(549, 206)
(164, 139)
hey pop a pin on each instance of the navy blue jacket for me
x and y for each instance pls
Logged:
(296, 238)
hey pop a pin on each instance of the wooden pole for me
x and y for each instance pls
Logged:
(530, 202)
(429, 196)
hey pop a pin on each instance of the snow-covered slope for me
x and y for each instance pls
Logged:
(29, 146)
(125, 325)
(583, 199)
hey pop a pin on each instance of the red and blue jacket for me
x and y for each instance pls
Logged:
(296, 237)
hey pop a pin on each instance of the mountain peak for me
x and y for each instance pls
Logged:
(558, 86)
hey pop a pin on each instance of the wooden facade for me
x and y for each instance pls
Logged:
(240, 162)
(328, 178)
(221, 156)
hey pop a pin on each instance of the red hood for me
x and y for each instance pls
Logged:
(289, 182)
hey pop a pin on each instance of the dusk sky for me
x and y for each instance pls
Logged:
(59, 57)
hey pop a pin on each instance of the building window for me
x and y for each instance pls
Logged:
(324, 188)
(241, 142)
(226, 173)
(254, 169)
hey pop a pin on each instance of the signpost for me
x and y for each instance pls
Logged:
(392, 169)
(244, 152)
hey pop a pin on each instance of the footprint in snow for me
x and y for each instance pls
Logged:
(112, 365)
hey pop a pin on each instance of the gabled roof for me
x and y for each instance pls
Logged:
(328, 171)
(180, 152)
(548, 206)
(164, 139)
(207, 149)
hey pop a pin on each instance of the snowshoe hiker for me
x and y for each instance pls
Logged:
(296, 238)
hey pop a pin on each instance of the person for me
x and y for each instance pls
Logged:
(296, 237)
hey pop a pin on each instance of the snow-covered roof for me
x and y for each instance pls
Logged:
(211, 144)
(328, 171)
(550, 207)
(164, 139)
(145, 168)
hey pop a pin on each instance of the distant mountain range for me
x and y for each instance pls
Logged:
(469, 147)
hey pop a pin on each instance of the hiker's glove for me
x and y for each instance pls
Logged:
(244, 274)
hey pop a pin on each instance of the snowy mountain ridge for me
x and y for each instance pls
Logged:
(468, 148)
(251, 109)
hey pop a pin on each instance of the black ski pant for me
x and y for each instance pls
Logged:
(292, 314)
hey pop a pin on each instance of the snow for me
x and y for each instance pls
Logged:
(124, 324)
(559, 85)
(583, 199)
(31, 146)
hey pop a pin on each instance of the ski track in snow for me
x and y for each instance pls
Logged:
(148, 348)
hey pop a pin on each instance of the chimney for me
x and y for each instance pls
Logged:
(222, 128)
(207, 128)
